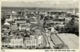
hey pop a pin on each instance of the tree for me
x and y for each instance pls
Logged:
(3, 20)
(72, 27)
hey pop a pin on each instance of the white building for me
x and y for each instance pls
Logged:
(16, 42)
(67, 19)
(33, 20)
(40, 41)
(26, 17)
(25, 26)
(20, 21)
(61, 17)
(30, 42)
(6, 23)
(9, 18)
(5, 44)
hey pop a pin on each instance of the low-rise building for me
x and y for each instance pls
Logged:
(14, 27)
(6, 23)
(8, 18)
(20, 21)
(33, 20)
(6, 31)
(61, 17)
(67, 19)
(54, 22)
(25, 26)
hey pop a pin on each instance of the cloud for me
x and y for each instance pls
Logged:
(42, 3)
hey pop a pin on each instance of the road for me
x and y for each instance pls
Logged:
(46, 40)
(49, 43)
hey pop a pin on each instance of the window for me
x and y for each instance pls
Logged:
(19, 12)
(2, 45)
(41, 43)
(30, 47)
(7, 16)
(5, 45)
(20, 46)
(27, 46)
(33, 46)
(16, 46)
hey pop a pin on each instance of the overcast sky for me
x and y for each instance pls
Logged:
(41, 3)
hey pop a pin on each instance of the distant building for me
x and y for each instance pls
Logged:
(54, 22)
(76, 19)
(61, 17)
(67, 19)
(20, 21)
(33, 20)
(61, 25)
(26, 17)
(52, 29)
(6, 31)
(8, 18)
(14, 27)
(24, 26)
(6, 23)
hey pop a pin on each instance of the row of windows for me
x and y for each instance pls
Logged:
(16, 41)
(18, 46)
(11, 46)
(30, 46)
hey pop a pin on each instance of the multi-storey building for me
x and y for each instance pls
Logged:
(16, 42)
(6, 41)
(40, 41)
(30, 42)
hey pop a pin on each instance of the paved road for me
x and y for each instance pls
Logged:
(46, 40)
(50, 42)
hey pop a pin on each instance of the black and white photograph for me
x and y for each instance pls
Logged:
(40, 24)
